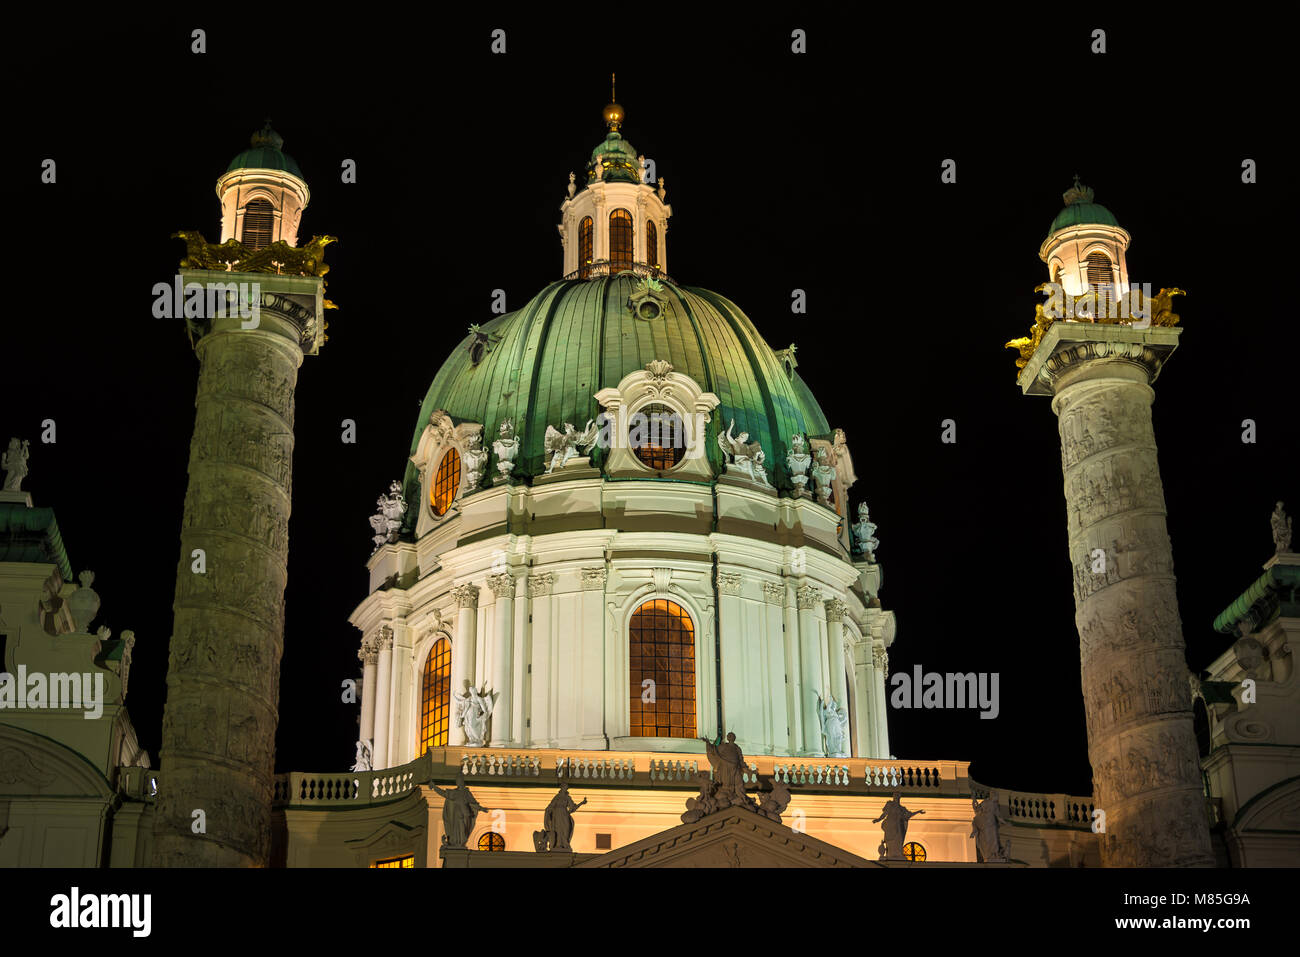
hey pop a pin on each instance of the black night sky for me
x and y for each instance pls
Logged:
(818, 172)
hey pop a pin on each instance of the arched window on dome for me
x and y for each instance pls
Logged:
(584, 248)
(259, 219)
(651, 243)
(435, 697)
(661, 659)
(620, 240)
(446, 483)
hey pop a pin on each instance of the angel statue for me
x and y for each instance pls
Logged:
(363, 757)
(475, 458)
(823, 474)
(798, 461)
(506, 447)
(473, 708)
(834, 721)
(864, 533)
(14, 463)
(744, 456)
(563, 446)
(387, 520)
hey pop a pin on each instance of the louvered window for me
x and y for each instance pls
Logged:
(259, 217)
(1100, 276)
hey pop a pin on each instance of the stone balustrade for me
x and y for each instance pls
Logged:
(350, 788)
(1019, 807)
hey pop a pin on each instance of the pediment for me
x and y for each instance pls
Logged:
(34, 766)
(732, 837)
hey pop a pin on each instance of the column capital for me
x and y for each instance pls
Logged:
(774, 593)
(1073, 350)
(540, 584)
(384, 638)
(729, 582)
(503, 585)
(593, 579)
(808, 596)
(835, 609)
(465, 596)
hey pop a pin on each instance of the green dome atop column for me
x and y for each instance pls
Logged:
(1081, 210)
(264, 152)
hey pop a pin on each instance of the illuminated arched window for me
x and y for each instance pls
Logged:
(657, 436)
(651, 243)
(259, 217)
(584, 248)
(661, 651)
(491, 841)
(406, 861)
(446, 482)
(435, 697)
(620, 240)
(913, 851)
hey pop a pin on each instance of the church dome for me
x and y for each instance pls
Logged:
(265, 152)
(543, 364)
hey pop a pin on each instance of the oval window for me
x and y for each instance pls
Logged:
(445, 483)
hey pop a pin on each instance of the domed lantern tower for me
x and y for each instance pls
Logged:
(1085, 246)
(616, 221)
(262, 193)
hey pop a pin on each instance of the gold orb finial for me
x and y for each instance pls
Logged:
(613, 113)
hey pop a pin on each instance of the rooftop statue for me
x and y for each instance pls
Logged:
(744, 456)
(14, 463)
(557, 823)
(1281, 530)
(728, 763)
(895, 817)
(458, 812)
(823, 474)
(473, 708)
(475, 458)
(984, 828)
(563, 446)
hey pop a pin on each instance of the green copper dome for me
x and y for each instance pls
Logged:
(619, 160)
(1080, 213)
(543, 364)
(264, 153)
(1081, 210)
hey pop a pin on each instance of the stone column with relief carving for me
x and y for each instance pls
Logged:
(463, 644)
(223, 676)
(1146, 773)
